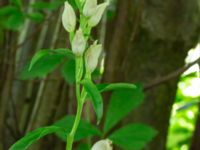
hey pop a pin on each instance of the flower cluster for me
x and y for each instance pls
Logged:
(90, 15)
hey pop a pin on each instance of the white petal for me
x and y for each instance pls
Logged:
(96, 17)
(89, 8)
(69, 18)
(92, 56)
(103, 145)
(78, 43)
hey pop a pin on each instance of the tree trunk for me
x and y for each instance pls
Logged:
(146, 41)
(195, 144)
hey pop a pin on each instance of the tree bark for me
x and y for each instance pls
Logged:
(195, 144)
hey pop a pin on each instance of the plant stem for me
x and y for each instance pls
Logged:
(70, 137)
(80, 102)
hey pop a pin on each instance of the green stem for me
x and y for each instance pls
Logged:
(80, 102)
(70, 138)
(88, 119)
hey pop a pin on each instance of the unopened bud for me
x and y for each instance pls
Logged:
(103, 145)
(92, 56)
(89, 8)
(96, 17)
(69, 18)
(78, 43)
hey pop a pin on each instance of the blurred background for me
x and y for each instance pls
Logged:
(150, 42)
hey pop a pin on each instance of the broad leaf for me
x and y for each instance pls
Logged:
(114, 86)
(133, 136)
(36, 16)
(44, 62)
(122, 102)
(8, 10)
(33, 136)
(40, 54)
(16, 2)
(96, 74)
(83, 146)
(68, 71)
(96, 97)
(42, 5)
(84, 130)
(11, 17)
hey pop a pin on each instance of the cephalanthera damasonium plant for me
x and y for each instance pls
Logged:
(124, 99)
(86, 56)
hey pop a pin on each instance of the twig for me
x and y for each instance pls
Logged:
(15, 117)
(170, 76)
(35, 107)
(11, 130)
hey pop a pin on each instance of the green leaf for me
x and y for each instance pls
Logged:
(84, 130)
(44, 62)
(42, 53)
(96, 74)
(38, 56)
(68, 71)
(11, 18)
(96, 97)
(83, 146)
(42, 5)
(8, 10)
(73, 4)
(16, 2)
(77, 3)
(133, 136)
(33, 136)
(122, 102)
(114, 86)
(36, 16)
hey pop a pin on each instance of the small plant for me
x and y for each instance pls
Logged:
(124, 98)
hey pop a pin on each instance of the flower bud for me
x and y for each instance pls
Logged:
(69, 18)
(92, 56)
(103, 145)
(89, 8)
(96, 17)
(78, 43)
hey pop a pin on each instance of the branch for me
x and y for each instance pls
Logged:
(170, 76)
